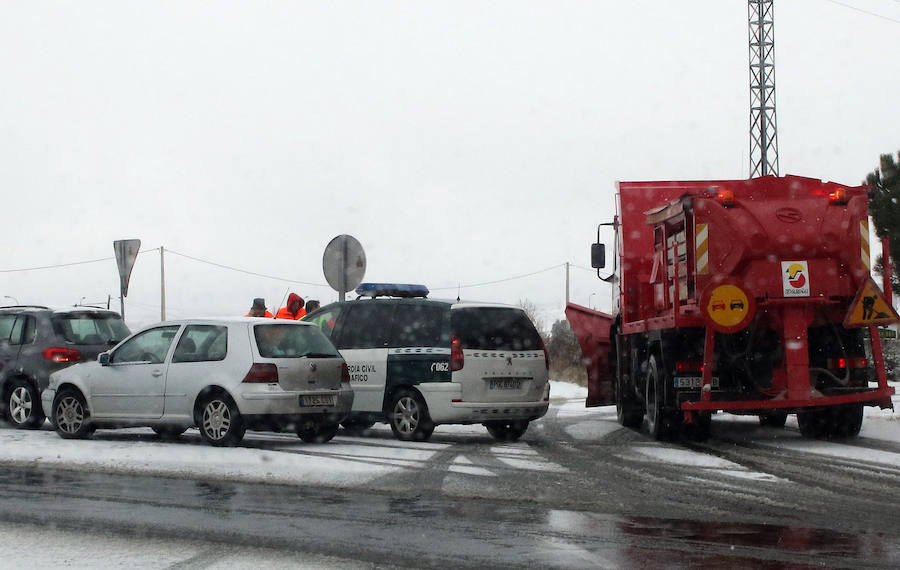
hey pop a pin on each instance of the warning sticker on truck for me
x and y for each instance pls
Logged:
(870, 308)
(727, 307)
(795, 278)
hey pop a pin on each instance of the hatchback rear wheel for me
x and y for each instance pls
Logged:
(24, 405)
(409, 417)
(221, 424)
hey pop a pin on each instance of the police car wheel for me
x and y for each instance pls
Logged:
(315, 431)
(507, 431)
(409, 417)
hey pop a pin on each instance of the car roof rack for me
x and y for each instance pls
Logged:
(404, 290)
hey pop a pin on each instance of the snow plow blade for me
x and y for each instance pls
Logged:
(592, 331)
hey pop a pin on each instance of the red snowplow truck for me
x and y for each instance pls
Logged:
(744, 296)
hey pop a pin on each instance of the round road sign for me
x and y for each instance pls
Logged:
(344, 263)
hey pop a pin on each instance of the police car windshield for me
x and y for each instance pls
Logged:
(494, 329)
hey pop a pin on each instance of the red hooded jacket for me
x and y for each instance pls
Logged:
(285, 313)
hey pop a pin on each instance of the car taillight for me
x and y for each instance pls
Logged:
(842, 363)
(457, 358)
(61, 354)
(262, 374)
(345, 373)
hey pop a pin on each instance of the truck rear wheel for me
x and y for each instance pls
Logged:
(838, 422)
(661, 423)
(846, 421)
(628, 409)
(775, 419)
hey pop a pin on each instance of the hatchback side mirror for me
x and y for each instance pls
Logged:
(103, 359)
(598, 255)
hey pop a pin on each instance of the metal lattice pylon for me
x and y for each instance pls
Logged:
(763, 127)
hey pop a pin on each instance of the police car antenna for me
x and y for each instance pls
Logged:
(283, 298)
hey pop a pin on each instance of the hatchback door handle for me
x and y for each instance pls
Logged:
(157, 373)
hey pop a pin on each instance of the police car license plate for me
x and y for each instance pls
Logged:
(316, 400)
(504, 384)
(694, 382)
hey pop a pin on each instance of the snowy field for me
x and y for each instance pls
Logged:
(349, 462)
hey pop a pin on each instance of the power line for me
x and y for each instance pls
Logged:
(223, 266)
(582, 267)
(277, 278)
(557, 266)
(845, 5)
(59, 265)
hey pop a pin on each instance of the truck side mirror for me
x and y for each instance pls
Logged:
(598, 255)
(103, 359)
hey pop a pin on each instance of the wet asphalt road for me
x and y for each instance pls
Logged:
(606, 507)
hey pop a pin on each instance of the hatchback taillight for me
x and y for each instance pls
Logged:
(457, 358)
(262, 374)
(61, 354)
(345, 372)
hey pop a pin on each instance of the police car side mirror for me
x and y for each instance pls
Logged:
(598, 255)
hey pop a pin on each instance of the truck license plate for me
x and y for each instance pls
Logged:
(504, 384)
(316, 400)
(694, 382)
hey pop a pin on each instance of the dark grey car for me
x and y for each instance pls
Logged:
(36, 341)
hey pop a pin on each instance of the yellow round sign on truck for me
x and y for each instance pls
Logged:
(727, 307)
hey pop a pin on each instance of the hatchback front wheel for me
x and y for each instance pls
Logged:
(70, 415)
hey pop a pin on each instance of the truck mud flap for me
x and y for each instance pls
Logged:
(592, 331)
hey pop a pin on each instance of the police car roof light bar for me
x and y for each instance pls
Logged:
(407, 290)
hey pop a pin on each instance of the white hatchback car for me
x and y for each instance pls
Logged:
(223, 376)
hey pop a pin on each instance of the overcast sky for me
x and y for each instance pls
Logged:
(460, 142)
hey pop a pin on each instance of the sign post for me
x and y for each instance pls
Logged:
(126, 254)
(344, 264)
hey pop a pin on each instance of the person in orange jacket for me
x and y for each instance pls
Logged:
(294, 309)
(259, 309)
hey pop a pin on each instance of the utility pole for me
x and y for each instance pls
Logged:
(162, 283)
(763, 127)
(567, 283)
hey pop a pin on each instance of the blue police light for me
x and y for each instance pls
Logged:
(408, 290)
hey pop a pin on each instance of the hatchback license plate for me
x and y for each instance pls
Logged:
(316, 400)
(504, 384)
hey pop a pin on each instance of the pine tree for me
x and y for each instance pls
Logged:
(884, 207)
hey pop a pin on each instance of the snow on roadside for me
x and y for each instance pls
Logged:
(342, 463)
(567, 391)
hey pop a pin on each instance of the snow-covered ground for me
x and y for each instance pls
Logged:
(353, 461)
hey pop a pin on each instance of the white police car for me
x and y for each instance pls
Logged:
(416, 363)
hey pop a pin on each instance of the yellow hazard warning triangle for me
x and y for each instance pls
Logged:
(869, 308)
